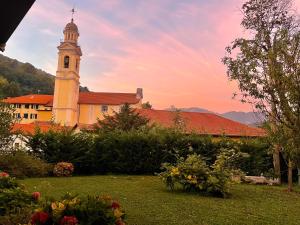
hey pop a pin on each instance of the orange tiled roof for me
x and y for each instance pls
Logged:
(32, 127)
(107, 98)
(100, 98)
(31, 99)
(203, 123)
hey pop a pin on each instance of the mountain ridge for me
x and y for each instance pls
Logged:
(248, 118)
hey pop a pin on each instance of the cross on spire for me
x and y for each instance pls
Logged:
(73, 11)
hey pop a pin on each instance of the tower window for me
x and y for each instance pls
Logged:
(66, 61)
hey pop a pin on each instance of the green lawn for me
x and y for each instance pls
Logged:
(147, 202)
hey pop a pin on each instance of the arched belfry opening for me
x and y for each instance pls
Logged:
(66, 61)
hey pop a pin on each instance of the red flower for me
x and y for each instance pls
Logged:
(36, 195)
(69, 220)
(3, 174)
(120, 222)
(39, 218)
(115, 205)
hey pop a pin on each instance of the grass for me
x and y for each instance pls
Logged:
(147, 202)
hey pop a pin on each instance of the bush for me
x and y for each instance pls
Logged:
(22, 164)
(63, 169)
(71, 210)
(193, 174)
(141, 151)
(16, 203)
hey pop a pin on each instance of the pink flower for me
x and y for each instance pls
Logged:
(69, 220)
(3, 174)
(36, 195)
(39, 218)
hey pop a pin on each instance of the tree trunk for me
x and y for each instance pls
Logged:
(298, 176)
(290, 176)
(276, 162)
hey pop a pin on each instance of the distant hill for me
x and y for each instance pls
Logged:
(17, 78)
(249, 118)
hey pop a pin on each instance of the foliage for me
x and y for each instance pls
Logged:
(125, 120)
(72, 210)
(141, 151)
(146, 105)
(193, 174)
(63, 169)
(266, 65)
(23, 78)
(22, 164)
(64, 145)
(16, 203)
(7, 121)
(8, 89)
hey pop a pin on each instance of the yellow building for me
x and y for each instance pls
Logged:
(68, 106)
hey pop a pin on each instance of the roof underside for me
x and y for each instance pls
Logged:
(12, 13)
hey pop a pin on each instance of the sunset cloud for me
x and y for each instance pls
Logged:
(170, 48)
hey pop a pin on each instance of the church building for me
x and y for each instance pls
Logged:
(68, 106)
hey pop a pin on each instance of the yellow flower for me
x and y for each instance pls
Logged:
(57, 206)
(118, 213)
(189, 177)
(175, 171)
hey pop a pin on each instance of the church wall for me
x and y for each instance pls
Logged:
(88, 113)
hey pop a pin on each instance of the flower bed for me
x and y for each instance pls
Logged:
(20, 207)
(72, 210)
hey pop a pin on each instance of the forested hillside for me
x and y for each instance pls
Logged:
(18, 78)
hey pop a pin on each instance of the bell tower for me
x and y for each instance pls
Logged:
(66, 91)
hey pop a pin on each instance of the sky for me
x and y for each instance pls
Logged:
(170, 48)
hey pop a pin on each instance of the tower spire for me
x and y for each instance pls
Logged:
(73, 12)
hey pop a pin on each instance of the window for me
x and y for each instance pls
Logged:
(66, 61)
(25, 116)
(26, 106)
(35, 106)
(33, 116)
(17, 106)
(104, 108)
(18, 115)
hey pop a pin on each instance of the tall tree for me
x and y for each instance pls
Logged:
(125, 120)
(266, 65)
(7, 121)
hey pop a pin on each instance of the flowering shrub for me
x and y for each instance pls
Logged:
(71, 210)
(63, 169)
(3, 174)
(193, 174)
(16, 204)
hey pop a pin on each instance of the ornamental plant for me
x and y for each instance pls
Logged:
(193, 174)
(63, 169)
(72, 210)
(16, 204)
